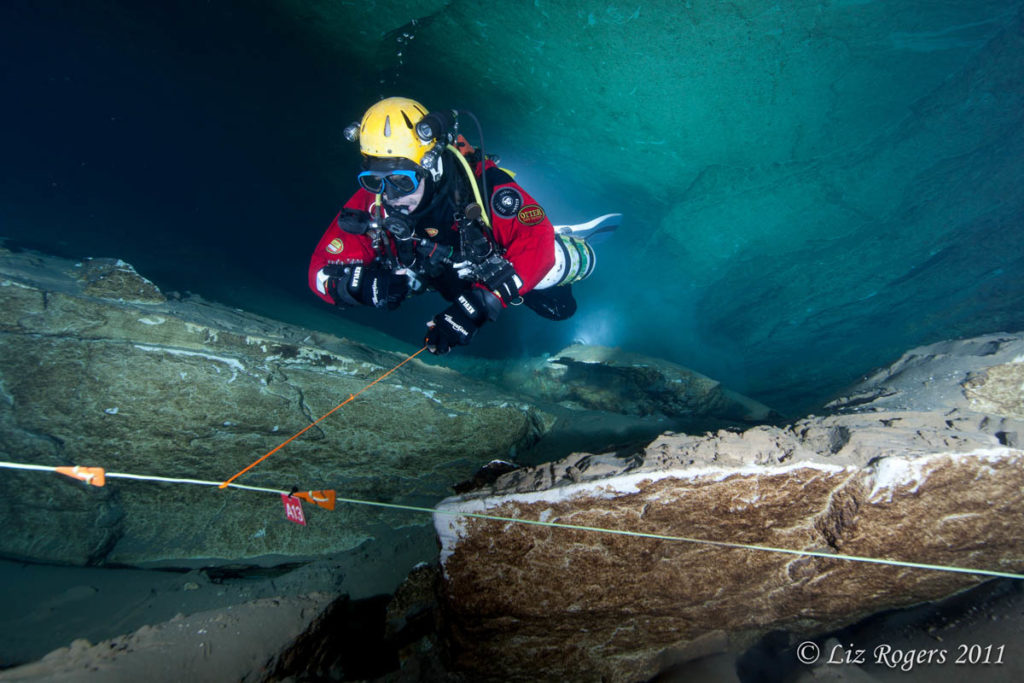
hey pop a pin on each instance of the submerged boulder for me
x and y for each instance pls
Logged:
(921, 463)
(616, 381)
(98, 368)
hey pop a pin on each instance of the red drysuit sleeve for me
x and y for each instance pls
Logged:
(338, 246)
(523, 229)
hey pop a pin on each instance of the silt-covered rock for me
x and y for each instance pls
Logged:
(98, 369)
(911, 471)
(613, 380)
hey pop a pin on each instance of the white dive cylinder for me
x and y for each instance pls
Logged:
(574, 261)
(574, 257)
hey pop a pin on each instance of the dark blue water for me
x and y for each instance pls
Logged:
(159, 134)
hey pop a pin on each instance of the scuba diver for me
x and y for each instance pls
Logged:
(433, 213)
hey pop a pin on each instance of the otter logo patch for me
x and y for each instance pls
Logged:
(531, 215)
(335, 246)
(506, 202)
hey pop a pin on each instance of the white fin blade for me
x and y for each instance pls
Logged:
(605, 223)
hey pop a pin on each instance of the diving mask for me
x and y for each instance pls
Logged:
(399, 182)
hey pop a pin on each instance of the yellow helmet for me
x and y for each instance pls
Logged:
(388, 129)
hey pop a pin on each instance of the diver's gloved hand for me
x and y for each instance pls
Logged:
(500, 277)
(456, 325)
(496, 274)
(369, 285)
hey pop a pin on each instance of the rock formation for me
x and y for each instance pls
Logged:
(98, 368)
(920, 463)
(617, 381)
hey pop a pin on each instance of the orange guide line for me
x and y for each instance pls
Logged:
(322, 417)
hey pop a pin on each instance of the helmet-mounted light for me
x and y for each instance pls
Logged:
(437, 125)
(351, 131)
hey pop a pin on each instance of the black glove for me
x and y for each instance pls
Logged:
(500, 277)
(370, 285)
(456, 325)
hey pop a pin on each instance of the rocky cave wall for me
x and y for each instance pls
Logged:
(920, 463)
(99, 369)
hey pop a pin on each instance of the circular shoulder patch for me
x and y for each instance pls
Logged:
(506, 202)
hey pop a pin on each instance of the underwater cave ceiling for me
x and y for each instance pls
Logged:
(810, 188)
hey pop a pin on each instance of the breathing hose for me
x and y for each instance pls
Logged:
(472, 182)
(483, 166)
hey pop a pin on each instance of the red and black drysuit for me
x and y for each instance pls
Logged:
(349, 268)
